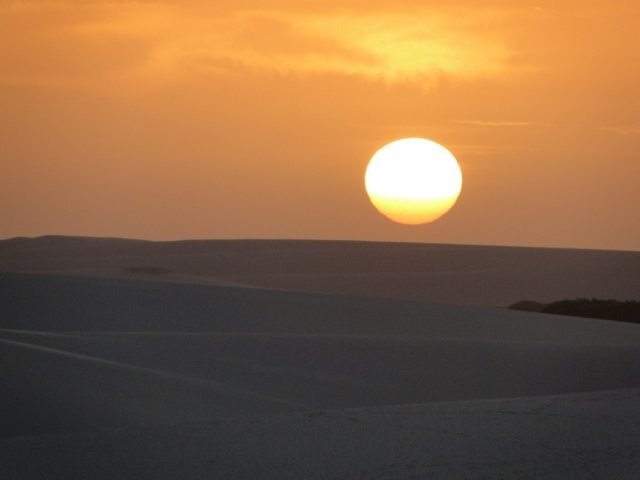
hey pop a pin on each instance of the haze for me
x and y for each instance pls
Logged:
(167, 120)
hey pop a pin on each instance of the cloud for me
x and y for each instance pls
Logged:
(390, 47)
(163, 40)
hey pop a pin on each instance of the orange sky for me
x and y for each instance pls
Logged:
(193, 119)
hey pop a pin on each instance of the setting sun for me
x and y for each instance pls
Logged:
(413, 180)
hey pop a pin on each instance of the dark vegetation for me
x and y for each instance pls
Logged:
(622, 311)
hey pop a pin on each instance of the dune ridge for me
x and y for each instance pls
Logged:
(461, 274)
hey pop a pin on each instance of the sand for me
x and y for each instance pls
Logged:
(459, 274)
(117, 375)
(593, 435)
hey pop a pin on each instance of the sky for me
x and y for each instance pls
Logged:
(252, 119)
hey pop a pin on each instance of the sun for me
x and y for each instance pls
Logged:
(413, 180)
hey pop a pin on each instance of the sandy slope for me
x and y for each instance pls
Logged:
(90, 353)
(173, 379)
(592, 435)
(473, 275)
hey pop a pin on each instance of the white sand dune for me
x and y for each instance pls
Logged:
(148, 353)
(461, 274)
(126, 378)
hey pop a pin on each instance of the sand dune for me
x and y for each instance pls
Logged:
(66, 303)
(142, 379)
(147, 353)
(461, 274)
(138, 377)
